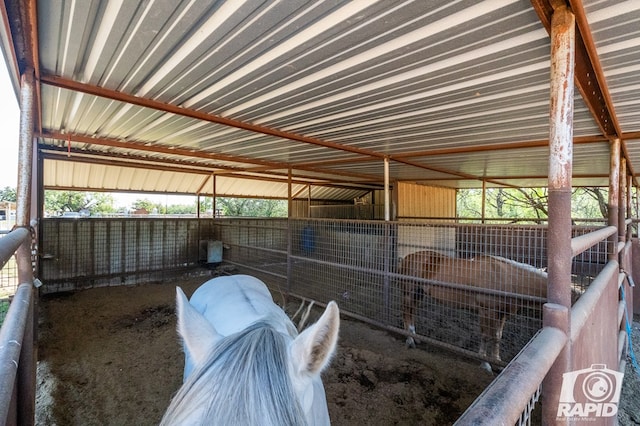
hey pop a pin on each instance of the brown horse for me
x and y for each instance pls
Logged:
(499, 281)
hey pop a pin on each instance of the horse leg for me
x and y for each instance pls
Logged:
(409, 304)
(500, 322)
(491, 326)
(484, 331)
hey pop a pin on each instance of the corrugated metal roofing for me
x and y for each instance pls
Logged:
(161, 96)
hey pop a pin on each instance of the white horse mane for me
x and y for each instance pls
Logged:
(230, 385)
(245, 362)
(520, 265)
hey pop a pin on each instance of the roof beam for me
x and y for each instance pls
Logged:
(124, 158)
(141, 165)
(589, 76)
(173, 109)
(465, 150)
(142, 146)
(199, 115)
(21, 17)
(262, 166)
(75, 158)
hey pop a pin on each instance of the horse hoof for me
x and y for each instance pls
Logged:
(411, 343)
(486, 366)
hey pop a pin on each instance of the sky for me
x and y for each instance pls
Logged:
(9, 131)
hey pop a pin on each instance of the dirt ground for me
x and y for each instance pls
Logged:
(111, 356)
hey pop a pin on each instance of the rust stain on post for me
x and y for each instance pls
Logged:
(561, 102)
(560, 171)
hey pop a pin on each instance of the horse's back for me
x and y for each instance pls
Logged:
(231, 303)
(483, 271)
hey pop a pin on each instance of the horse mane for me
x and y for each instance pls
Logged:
(245, 381)
(517, 264)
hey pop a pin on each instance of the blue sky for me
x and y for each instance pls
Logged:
(9, 129)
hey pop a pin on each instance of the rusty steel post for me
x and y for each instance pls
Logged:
(560, 170)
(27, 369)
(622, 200)
(387, 196)
(289, 232)
(629, 228)
(484, 200)
(26, 382)
(614, 196)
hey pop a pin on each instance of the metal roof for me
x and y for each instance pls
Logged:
(164, 95)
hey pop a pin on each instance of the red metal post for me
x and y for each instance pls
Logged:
(560, 170)
(622, 203)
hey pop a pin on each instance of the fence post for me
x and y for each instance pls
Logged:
(614, 196)
(560, 169)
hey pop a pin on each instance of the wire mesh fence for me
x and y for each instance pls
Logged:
(8, 285)
(482, 285)
(465, 286)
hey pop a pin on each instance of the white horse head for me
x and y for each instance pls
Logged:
(245, 362)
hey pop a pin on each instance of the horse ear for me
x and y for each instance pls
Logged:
(312, 350)
(198, 334)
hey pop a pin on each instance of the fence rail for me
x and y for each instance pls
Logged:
(509, 395)
(512, 396)
(17, 340)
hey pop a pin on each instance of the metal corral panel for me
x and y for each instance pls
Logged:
(83, 253)
(416, 201)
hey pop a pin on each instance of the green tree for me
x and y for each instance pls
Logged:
(206, 205)
(58, 202)
(469, 203)
(520, 202)
(149, 206)
(8, 194)
(592, 201)
(533, 203)
(181, 209)
(249, 207)
(101, 203)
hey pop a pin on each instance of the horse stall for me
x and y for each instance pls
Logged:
(115, 329)
(327, 103)
(99, 347)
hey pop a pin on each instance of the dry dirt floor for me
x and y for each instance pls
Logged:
(111, 356)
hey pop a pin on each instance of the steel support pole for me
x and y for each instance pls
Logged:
(560, 170)
(622, 203)
(289, 231)
(26, 383)
(387, 194)
(628, 207)
(484, 201)
(213, 195)
(614, 196)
